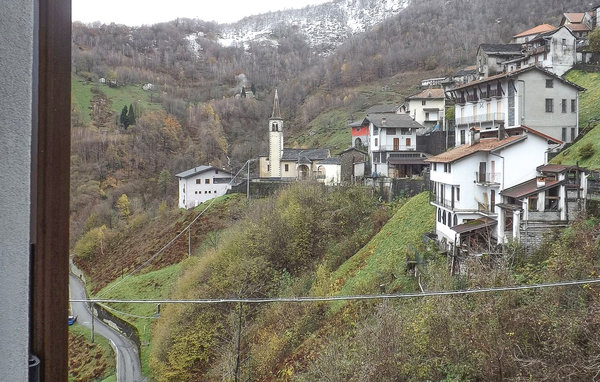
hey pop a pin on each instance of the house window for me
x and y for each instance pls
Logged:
(439, 215)
(405, 131)
(447, 167)
(455, 220)
(533, 203)
(206, 181)
(549, 83)
(462, 137)
(287, 167)
(444, 218)
(457, 194)
(564, 134)
(427, 116)
(391, 131)
(549, 105)
(216, 171)
(424, 102)
(357, 129)
(375, 131)
(435, 167)
(573, 106)
(376, 142)
(198, 181)
(572, 134)
(563, 105)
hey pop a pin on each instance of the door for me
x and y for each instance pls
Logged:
(408, 143)
(492, 201)
(396, 144)
(481, 172)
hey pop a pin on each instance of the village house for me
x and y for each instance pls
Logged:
(554, 51)
(530, 34)
(295, 164)
(393, 144)
(492, 57)
(360, 134)
(427, 108)
(353, 163)
(466, 182)
(202, 183)
(554, 198)
(580, 23)
(528, 96)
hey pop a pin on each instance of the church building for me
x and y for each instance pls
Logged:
(295, 164)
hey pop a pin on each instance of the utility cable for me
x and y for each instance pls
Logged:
(347, 298)
(145, 263)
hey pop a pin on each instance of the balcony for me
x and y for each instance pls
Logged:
(488, 94)
(488, 178)
(442, 202)
(472, 98)
(480, 118)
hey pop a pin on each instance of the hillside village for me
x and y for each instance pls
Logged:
(487, 168)
(457, 181)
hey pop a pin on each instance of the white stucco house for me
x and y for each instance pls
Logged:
(427, 107)
(529, 96)
(466, 182)
(329, 171)
(202, 183)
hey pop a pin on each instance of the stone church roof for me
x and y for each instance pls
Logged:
(310, 154)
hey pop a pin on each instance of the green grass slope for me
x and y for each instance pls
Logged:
(383, 259)
(586, 151)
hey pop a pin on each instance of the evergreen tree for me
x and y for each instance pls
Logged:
(253, 88)
(131, 115)
(243, 92)
(124, 120)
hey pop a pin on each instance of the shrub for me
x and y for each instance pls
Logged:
(587, 150)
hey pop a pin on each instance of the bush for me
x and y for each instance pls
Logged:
(94, 239)
(587, 150)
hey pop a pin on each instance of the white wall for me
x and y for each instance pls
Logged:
(333, 173)
(191, 194)
(16, 82)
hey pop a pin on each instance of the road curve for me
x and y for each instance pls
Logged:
(128, 359)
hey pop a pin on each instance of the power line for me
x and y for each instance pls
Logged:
(347, 298)
(145, 263)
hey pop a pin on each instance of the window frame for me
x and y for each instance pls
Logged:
(549, 105)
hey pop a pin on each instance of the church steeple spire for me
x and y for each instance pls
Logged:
(276, 112)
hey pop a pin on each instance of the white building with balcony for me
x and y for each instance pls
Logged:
(427, 107)
(466, 182)
(529, 96)
(393, 145)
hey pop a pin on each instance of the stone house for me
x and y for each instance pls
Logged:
(492, 57)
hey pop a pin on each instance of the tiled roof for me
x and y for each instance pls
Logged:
(542, 28)
(198, 170)
(517, 72)
(393, 121)
(555, 168)
(578, 27)
(501, 49)
(429, 93)
(574, 17)
(473, 225)
(332, 160)
(484, 145)
(310, 154)
(390, 108)
(527, 188)
(353, 149)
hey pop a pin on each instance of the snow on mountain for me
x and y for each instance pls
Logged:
(324, 26)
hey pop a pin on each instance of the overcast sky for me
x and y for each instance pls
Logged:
(138, 12)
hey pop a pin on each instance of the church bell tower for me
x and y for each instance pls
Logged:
(275, 140)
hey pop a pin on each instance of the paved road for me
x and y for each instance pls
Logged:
(128, 359)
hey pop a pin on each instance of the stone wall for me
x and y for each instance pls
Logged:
(533, 234)
(124, 327)
(260, 189)
(390, 188)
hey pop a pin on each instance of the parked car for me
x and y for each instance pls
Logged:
(71, 320)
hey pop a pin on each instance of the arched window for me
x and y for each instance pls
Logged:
(321, 172)
(439, 215)
(455, 220)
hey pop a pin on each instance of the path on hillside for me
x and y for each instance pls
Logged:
(126, 353)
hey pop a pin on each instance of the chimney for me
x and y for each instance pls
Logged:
(502, 132)
(541, 181)
(475, 136)
(383, 121)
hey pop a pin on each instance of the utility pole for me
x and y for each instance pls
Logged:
(237, 347)
(92, 337)
(190, 241)
(248, 180)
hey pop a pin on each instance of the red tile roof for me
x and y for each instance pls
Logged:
(536, 30)
(578, 27)
(484, 145)
(428, 93)
(574, 17)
